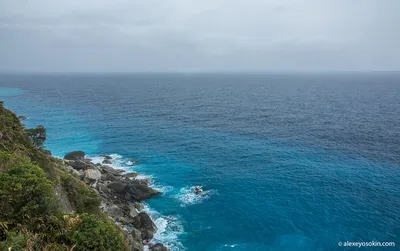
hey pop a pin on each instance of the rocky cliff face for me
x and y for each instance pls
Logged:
(70, 204)
(120, 195)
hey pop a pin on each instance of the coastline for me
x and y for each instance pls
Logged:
(122, 193)
(169, 227)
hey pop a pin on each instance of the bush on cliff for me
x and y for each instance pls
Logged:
(31, 216)
(82, 198)
(97, 232)
(27, 197)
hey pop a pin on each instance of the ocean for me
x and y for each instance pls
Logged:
(288, 162)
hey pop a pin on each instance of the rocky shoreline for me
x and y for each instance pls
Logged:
(121, 194)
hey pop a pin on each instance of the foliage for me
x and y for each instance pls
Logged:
(12, 136)
(97, 232)
(37, 136)
(27, 197)
(15, 240)
(30, 211)
(83, 198)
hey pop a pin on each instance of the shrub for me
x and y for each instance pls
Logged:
(30, 212)
(83, 198)
(15, 240)
(97, 232)
(27, 197)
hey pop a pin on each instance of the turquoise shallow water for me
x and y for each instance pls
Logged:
(289, 162)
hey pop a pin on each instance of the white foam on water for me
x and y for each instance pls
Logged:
(236, 246)
(115, 156)
(162, 189)
(230, 245)
(144, 177)
(169, 228)
(95, 159)
(187, 196)
(117, 160)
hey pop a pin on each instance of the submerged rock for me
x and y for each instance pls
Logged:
(76, 155)
(145, 225)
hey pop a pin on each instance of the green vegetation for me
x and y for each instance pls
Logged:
(27, 197)
(82, 198)
(32, 185)
(97, 232)
(37, 136)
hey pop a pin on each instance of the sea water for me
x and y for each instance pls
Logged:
(287, 161)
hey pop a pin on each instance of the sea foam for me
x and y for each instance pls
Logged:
(169, 227)
(187, 197)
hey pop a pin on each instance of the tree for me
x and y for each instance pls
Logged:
(37, 135)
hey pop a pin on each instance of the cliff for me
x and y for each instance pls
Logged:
(71, 204)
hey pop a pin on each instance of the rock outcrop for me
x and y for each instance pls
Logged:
(76, 155)
(107, 161)
(73, 171)
(120, 193)
(135, 240)
(92, 175)
(159, 247)
(110, 170)
(145, 225)
(133, 190)
(79, 165)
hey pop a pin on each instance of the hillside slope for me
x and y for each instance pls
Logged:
(45, 204)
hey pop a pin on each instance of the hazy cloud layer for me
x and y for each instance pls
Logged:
(202, 35)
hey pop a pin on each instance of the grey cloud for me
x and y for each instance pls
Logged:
(208, 35)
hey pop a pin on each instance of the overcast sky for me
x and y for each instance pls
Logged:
(199, 35)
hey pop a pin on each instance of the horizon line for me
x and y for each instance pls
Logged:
(192, 72)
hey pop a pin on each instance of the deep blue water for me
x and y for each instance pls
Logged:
(289, 162)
